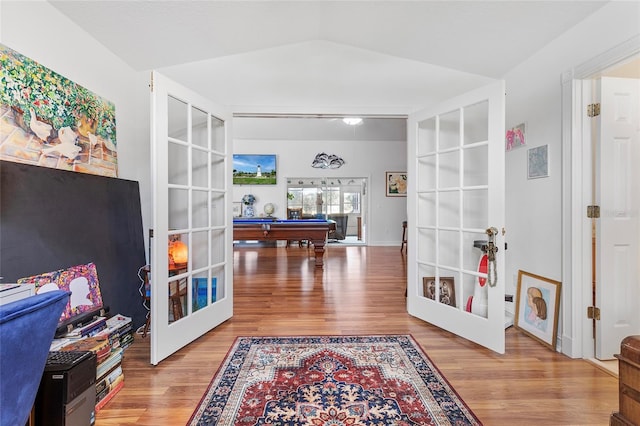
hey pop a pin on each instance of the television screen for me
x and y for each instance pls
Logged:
(259, 169)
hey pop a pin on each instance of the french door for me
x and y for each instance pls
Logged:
(455, 195)
(191, 267)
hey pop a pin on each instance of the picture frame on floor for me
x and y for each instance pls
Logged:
(537, 307)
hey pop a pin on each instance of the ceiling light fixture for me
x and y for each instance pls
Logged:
(352, 121)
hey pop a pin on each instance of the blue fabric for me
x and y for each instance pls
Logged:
(27, 328)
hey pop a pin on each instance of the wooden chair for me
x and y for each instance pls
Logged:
(403, 246)
(295, 214)
(146, 297)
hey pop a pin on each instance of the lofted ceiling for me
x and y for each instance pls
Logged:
(324, 55)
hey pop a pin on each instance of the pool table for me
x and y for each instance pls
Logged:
(270, 229)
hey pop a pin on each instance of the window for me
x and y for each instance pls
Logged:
(324, 196)
(351, 202)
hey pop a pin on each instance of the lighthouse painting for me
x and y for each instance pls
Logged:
(254, 169)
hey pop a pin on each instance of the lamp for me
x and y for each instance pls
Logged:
(178, 253)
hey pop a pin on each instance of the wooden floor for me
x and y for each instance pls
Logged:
(361, 291)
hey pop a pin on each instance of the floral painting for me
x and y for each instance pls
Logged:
(515, 137)
(48, 120)
(396, 184)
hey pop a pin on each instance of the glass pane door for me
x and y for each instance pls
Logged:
(456, 173)
(192, 238)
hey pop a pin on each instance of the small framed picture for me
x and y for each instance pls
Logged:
(429, 287)
(538, 162)
(447, 289)
(537, 307)
(396, 184)
(237, 209)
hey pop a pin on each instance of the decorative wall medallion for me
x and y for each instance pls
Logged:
(326, 161)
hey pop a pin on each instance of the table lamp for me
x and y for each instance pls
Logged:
(178, 254)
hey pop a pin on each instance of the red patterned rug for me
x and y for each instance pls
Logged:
(330, 381)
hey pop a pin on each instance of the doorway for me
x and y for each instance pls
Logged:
(577, 181)
(342, 199)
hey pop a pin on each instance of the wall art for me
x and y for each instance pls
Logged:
(254, 169)
(396, 184)
(515, 137)
(538, 162)
(537, 307)
(50, 121)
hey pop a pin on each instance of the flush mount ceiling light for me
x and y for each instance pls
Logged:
(352, 121)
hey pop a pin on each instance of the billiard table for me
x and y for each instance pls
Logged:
(270, 229)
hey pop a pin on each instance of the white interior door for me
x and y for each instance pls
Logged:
(618, 233)
(456, 191)
(191, 266)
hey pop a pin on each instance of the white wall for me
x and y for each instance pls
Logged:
(370, 159)
(534, 229)
(533, 96)
(37, 30)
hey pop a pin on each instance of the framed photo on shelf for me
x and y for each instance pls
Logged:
(396, 184)
(237, 209)
(447, 289)
(537, 307)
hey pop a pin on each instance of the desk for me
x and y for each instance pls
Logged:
(313, 230)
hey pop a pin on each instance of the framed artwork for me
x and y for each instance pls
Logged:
(515, 137)
(429, 287)
(447, 289)
(254, 169)
(396, 184)
(237, 209)
(63, 124)
(537, 307)
(80, 280)
(538, 162)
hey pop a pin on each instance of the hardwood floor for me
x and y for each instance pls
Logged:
(360, 291)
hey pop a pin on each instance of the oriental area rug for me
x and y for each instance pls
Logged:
(330, 381)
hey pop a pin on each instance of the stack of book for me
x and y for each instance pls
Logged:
(91, 329)
(107, 339)
(120, 331)
(109, 378)
(99, 345)
(109, 375)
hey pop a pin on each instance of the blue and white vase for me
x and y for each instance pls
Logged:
(248, 210)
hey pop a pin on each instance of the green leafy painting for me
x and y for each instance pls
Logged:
(49, 120)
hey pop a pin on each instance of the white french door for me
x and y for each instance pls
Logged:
(191, 266)
(618, 229)
(455, 193)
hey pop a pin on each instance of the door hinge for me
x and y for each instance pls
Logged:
(593, 212)
(593, 313)
(593, 110)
